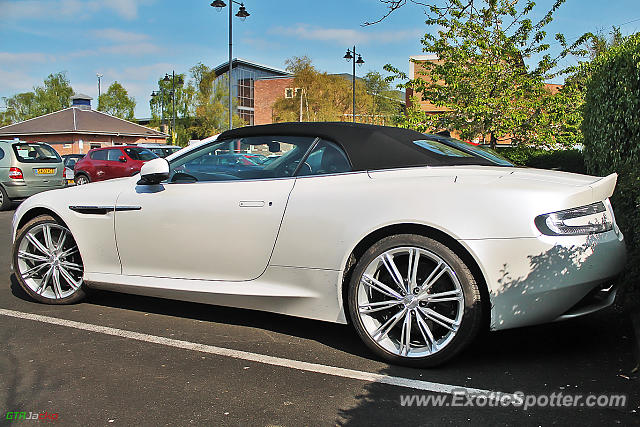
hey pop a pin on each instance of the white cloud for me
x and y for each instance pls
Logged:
(14, 81)
(12, 58)
(120, 36)
(345, 35)
(147, 74)
(68, 9)
(137, 49)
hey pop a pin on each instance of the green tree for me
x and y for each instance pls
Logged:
(117, 102)
(599, 43)
(21, 106)
(611, 128)
(201, 105)
(54, 95)
(323, 97)
(385, 102)
(486, 75)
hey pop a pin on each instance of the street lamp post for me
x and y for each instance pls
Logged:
(161, 93)
(351, 54)
(242, 14)
(172, 79)
(99, 76)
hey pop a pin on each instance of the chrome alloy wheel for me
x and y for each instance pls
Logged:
(48, 261)
(410, 302)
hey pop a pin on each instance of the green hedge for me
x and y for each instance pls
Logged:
(563, 160)
(611, 129)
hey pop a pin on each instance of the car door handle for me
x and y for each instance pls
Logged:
(251, 203)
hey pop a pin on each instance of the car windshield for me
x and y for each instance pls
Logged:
(35, 153)
(484, 152)
(139, 153)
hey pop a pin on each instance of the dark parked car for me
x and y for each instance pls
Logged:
(113, 162)
(161, 150)
(70, 161)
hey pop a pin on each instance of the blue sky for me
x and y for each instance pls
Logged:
(137, 41)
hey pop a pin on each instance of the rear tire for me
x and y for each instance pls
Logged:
(413, 301)
(82, 179)
(5, 201)
(47, 262)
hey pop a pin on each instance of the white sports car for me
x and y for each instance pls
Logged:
(419, 241)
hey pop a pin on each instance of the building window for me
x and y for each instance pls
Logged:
(246, 115)
(288, 92)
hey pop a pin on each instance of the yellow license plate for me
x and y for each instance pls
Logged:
(45, 171)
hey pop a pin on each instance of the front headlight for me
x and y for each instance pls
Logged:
(590, 219)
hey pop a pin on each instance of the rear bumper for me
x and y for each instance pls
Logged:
(543, 279)
(19, 190)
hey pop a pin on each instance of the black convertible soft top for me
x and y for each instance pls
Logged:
(369, 147)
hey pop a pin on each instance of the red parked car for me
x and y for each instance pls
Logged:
(112, 162)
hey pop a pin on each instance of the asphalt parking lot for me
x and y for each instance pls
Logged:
(119, 359)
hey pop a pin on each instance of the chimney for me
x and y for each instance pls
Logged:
(81, 101)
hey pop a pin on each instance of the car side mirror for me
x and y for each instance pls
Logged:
(122, 159)
(154, 172)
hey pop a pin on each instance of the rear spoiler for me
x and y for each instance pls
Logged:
(596, 191)
(603, 188)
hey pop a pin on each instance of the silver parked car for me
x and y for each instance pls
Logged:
(27, 168)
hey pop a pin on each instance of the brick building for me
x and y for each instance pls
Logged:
(77, 129)
(267, 91)
(244, 75)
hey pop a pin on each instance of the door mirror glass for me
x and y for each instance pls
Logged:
(154, 172)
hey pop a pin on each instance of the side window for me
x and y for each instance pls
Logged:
(326, 158)
(256, 157)
(1, 154)
(113, 155)
(99, 155)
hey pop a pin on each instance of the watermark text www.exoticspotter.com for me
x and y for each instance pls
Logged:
(462, 398)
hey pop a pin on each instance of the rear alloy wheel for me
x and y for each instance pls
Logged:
(413, 301)
(47, 262)
(5, 202)
(82, 180)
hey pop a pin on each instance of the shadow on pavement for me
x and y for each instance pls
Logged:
(341, 337)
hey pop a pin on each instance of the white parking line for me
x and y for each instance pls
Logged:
(255, 357)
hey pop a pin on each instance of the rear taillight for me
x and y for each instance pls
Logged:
(15, 173)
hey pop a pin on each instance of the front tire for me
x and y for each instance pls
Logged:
(413, 301)
(47, 262)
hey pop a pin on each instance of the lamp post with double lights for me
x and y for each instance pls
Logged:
(173, 81)
(242, 14)
(351, 55)
(161, 94)
(99, 76)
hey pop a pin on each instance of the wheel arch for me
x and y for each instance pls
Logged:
(35, 212)
(423, 230)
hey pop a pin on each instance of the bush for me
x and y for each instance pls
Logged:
(563, 160)
(611, 128)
